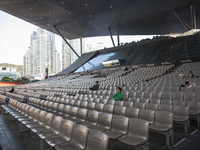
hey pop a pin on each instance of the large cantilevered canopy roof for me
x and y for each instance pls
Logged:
(88, 18)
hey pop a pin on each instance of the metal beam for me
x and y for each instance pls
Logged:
(66, 41)
(109, 30)
(181, 20)
(193, 17)
(81, 45)
(118, 42)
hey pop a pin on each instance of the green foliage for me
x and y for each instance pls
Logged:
(22, 79)
(7, 79)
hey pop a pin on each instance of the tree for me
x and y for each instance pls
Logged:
(7, 79)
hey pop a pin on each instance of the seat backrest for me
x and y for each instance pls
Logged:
(119, 103)
(50, 105)
(148, 115)
(103, 101)
(152, 106)
(79, 136)
(60, 107)
(55, 106)
(97, 140)
(56, 124)
(181, 111)
(82, 114)
(93, 116)
(139, 105)
(66, 109)
(155, 101)
(91, 106)
(71, 102)
(105, 119)
(112, 102)
(178, 103)
(73, 111)
(48, 120)
(84, 104)
(99, 107)
(132, 112)
(163, 107)
(66, 129)
(188, 97)
(177, 96)
(164, 118)
(119, 110)
(120, 123)
(36, 113)
(128, 104)
(139, 127)
(166, 102)
(77, 103)
(108, 108)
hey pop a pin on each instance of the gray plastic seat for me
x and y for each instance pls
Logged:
(178, 103)
(152, 106)
(163, 107)
(166, 96)
(64, 136)
(103, 101)
(132, 112)
(119, 127)
(60, 109)
(92, 118)
(119, 103)
(164, 125)
(112, 102)
(139, 105)
(188, 97)
(104, 122)
(83, 104)
(99, 107)
(73, 113)
(97, 140)
(148, 115)
(79, 139)
(71, 102)
(155, 101)
(177, 96)
(54, 108)
(119, 110)
(108, 108)
(138, 134)
(35, 117)
(91, 106)
(49, 107)
(66, 110)
(77, 103)
(166, 102)
(128, 104)
(55, 128)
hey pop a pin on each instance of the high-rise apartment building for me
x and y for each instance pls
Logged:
(42, 54)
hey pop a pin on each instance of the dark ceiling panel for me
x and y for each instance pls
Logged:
(87, 18)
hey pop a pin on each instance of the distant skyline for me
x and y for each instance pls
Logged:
(15, 39)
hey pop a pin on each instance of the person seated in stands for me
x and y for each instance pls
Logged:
(12, 90)
(118, 96)
(181, 75)
(191, 74)
(189, 85)
(95, 87)
(126, 69)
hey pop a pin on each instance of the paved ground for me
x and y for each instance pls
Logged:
(12, 139)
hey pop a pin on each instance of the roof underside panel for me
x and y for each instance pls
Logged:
(88, 18)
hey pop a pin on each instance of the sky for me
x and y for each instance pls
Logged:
(15, 39)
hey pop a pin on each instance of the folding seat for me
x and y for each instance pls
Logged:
(78, 140)
(91, 106)
(96, 100)
(104, 122)
(90, 99)
(108, 108)
(177, 96)
(155, 101)
(72, 113)
(42, 104)
(119, 110)
(138, 134)
(53, 131)
(144, 101)
(128, 104)
(139, 94)
(64, 136)
(62, 101)
(164, 107)
(29, 116)
(156, 95)
(139, 105)
(119, 103)
(188, 97)
(60, 109)
(83, 104)
(66, 110)
(164, 125)
(49, 106)
(132, 112)
(43, 124)
(103, 101)
(112, 102)
(181, 116)
(92, 118)
(77, 103)
(152, 106)
(35, 118)
(197, 97)
(81, 116)
(147, 95)
(71, 102)
(119, 127)
(148, 115)
(85, 99)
